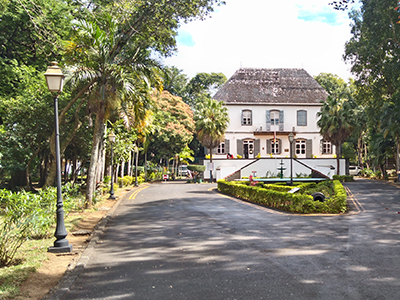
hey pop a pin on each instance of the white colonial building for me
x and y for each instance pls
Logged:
(265, 106)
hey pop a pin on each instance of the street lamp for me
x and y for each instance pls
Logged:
(291, 139)
(111, 138)
(55, 81)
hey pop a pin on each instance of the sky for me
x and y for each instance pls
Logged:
(306, 34)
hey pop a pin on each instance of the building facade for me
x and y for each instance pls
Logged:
(265, 106)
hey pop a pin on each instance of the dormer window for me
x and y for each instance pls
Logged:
(246, 117)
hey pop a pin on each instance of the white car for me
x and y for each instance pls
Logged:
(354, 170)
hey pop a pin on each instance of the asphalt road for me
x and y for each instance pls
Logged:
(182, 241)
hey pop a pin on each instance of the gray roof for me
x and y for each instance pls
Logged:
(271, 86)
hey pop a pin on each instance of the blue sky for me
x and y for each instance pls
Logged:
(265, 34)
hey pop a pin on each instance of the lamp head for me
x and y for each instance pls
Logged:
(111, 137)
(291, 137)
(54, 78)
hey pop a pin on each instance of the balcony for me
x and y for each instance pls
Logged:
(260, 130)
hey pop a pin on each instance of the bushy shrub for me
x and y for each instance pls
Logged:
(107, 179)
(26, 215)
(368, 173)
(125, 181)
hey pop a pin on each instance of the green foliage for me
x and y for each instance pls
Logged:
(129, 180)
(174, 81)
(343, 178)
(374, 58)
(202, 86)
(25, 215)
(174, 126)
(31, 254)
(32, 31)
(276, 196)
(369, 173)
(212, 120)
(196, 168)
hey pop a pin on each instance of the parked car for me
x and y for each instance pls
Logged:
(354, 170)
(182, 170)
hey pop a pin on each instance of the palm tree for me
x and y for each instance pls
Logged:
(116, 76)
(336, 122)
(212, 120)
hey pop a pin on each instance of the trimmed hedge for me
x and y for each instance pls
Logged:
(343, 178)
(280, 199)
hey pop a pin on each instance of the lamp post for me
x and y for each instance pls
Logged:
(55, 81)
(291, 139)
(111, 138)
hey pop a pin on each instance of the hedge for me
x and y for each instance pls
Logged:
(343, 178)
(291, 202)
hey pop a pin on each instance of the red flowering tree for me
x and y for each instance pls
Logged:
(174, 126)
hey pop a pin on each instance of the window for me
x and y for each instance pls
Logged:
(301, 118)
(274, 117)
(275, 147)
(326, 147)
(221, 148)
(246, 117)
(300, 147)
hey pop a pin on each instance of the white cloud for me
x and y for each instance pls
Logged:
(266, 34)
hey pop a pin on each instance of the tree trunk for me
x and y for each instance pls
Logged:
(98, 135)
(74, 169)
(129, 171)
(43, 170)
(366, 155)
(136, 166)
(145, 166)
(338, 159)
(359, 150)
(211, 175)
(122, 168)
(397, 154)
(116, 174)
(101, 162)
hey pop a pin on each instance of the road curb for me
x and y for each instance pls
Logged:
(73, 272)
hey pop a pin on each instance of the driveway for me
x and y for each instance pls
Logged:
(185, 241)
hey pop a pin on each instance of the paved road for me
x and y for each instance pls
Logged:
(181, 241)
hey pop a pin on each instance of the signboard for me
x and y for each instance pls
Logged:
(165, 176)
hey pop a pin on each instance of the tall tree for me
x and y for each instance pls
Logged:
(212, 120)
(112, 79)
(175, 81)
(374, 52)
(338, 88)
(108, 51)
(174, 126)
(202, 86)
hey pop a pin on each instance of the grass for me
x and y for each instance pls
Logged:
(29, 258)
(31, 255)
